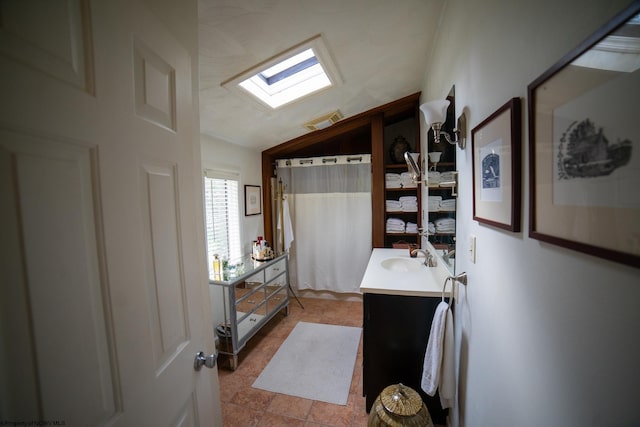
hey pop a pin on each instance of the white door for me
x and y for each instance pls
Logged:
(103, 299)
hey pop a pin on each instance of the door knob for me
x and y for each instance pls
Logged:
(208, 361)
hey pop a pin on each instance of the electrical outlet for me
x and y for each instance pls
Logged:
(472, 249)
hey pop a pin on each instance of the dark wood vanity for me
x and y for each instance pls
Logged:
(395, 334)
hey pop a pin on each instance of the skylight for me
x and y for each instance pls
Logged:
(296, 73)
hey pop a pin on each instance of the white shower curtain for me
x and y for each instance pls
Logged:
(330, 208)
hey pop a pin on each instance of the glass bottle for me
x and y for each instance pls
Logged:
(216, 265)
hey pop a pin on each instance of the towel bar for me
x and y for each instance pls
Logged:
(460, 278)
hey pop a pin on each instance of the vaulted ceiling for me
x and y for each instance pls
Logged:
(380, 47)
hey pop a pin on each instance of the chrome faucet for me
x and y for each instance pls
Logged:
(447, 255)
(429, 260)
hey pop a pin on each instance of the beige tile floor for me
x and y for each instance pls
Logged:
(245, 406)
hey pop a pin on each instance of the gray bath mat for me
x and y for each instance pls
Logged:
(315, 362)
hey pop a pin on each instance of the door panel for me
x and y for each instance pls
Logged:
(154, 87)
(53, 38)
(165, 280)
(67, 333)
(102, 209)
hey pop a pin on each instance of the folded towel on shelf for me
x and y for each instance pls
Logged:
(448, 205)
(395, 221)
(445, 225)
(408, 199)
(433, 178)
(447, 176)
(395, 225)
(392, 180)
(443, 222)
(407, 182)
(393, 206)
(431, 228)
(409, 203)
(435, 348)
(433, 203)
(411, 228)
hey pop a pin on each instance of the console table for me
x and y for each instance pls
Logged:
(252, 294)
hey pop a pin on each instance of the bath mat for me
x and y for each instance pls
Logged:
(315, 362)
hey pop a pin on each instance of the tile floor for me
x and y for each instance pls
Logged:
(245, 406)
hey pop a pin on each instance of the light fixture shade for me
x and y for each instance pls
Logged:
(434, 111)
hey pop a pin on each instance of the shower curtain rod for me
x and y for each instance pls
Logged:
(324, 160)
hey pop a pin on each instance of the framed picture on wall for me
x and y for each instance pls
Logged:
(252, 200)
(584, 145)
(496, 159)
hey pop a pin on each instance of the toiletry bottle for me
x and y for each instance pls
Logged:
(255, 249)
(216, 265)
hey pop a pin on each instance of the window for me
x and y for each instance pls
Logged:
(298, 72)
(289, 80)
(222, 216)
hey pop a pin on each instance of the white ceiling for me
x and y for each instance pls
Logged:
(380, 48)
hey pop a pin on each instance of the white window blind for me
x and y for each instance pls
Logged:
(222, 215)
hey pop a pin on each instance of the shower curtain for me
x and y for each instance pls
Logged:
(329, 200)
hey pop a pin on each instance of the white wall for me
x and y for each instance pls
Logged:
(545, 336)
(218, 154)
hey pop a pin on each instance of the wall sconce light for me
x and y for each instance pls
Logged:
(435, 114)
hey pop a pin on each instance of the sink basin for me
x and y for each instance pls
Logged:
(402, 265)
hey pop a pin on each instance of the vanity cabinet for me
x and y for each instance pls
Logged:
(252, 295)
(395, 335)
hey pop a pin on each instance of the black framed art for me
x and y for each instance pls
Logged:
(252, 200)
(496, 159)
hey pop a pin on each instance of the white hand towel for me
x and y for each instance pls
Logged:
(433, 354)
(447, 386)
(288, 228)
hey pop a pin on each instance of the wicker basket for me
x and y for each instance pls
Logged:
(399, 405)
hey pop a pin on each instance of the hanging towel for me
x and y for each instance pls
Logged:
(288, 228)
(433, 354)
(447, 383)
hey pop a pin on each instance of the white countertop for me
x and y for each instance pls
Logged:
(424, 281)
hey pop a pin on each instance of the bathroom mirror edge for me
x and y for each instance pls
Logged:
(444, 243)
